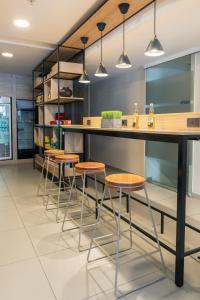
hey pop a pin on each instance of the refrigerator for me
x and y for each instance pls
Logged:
(25, 127)
(5, 128)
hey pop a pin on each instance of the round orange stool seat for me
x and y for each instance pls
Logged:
(125, 181)
(53, 152)
(67, 158)
(90, 167)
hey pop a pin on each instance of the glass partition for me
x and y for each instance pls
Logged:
(170, 87)
(5, 128)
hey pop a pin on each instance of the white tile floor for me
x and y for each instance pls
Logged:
(37, 261)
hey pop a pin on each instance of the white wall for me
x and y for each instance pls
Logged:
(118, 93)
(16, 87)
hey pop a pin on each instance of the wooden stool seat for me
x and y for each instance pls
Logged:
(90, 167)
(125, 181)
(67, 158)
(53, 152)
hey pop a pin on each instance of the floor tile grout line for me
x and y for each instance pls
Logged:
(18, 261)
(39, 260)
(57, 251)
(108, 290)
(37, 256)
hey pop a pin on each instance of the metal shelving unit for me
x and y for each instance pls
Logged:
(46, 107)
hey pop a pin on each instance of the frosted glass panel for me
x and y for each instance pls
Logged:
(169, 86)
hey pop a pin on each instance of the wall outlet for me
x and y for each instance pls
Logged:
(124, 122)
(88, 122)
(193, 122)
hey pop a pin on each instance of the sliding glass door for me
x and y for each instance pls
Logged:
(5, 128)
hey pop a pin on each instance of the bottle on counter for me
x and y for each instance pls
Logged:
(136, 116)
(151, 117)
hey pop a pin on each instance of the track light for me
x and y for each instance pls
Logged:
(154, 48)
(123, 61)
(101, 70)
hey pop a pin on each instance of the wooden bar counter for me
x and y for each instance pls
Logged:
(172, 128)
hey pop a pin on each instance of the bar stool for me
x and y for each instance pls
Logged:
(49, 159)
(85, 168)
(61, 160)
(123, 183)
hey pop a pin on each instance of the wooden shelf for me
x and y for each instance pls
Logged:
(39, 86)
(63, 100)
(63, 75)
(38, 125)
(52, 126)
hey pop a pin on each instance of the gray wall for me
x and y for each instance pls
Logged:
(118, 93)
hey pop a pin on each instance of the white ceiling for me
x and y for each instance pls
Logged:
(50, 21)
(178, 28)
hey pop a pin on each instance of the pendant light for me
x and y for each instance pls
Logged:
(154, 48)
(123, 61)
(84, 77)
(101, 70)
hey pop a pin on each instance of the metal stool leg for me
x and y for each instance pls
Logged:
(59, 190)
(130, 224)
(96, 195)
(154, 228)
(53, 175)
(117, 243)
(70, 195)
(97, 221)
(46, 177)
(41, 177)
(82, 209)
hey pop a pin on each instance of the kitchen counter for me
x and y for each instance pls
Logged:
(181, 138)
(136, 133)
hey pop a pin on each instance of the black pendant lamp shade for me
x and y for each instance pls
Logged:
(84, 77)
(123, 61)
(101, 70)
(154, 48)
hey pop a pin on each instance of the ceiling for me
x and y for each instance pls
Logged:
(178, 28)
(50, 21)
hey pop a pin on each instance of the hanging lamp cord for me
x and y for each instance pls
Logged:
(155, 18)
(84, 59)
(123, 33)
(101, 47)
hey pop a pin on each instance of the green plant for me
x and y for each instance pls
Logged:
(111, 114)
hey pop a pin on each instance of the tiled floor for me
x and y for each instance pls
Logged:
(37, 261)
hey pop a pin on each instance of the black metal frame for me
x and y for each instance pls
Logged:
(41, 67)
(182, 141)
